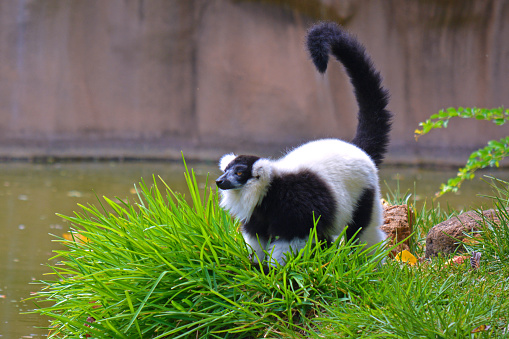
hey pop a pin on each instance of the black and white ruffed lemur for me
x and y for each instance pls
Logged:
(337, 181)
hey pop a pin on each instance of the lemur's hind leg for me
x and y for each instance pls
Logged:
(280, 248)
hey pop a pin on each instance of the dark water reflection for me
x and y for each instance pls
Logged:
(31, 194)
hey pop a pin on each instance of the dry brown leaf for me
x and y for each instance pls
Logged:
(481, 328)
(475, 260)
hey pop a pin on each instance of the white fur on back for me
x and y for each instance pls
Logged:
(345, 168)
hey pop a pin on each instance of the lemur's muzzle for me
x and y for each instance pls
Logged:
(223, 183)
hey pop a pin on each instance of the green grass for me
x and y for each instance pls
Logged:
(163, 267)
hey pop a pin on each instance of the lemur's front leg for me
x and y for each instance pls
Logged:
(258, 245)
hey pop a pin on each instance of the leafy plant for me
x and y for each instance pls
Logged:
(488, 156)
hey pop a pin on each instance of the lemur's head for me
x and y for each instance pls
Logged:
(240, 170)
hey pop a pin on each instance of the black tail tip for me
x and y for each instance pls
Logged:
(319, 52)
(321, 64)
(318, 41)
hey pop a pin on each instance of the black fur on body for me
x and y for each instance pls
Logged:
(330, 180)
(284, 212)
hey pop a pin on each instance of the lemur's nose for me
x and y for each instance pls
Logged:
(221, 181)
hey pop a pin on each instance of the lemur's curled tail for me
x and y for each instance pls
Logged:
(374, 120)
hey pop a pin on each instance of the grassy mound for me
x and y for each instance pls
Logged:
(166, 268)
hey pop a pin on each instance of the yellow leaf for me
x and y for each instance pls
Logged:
(75, 237)
(406, 256)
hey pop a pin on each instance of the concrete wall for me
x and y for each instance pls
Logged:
(138, 78)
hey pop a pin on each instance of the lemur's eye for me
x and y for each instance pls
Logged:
(239, 173)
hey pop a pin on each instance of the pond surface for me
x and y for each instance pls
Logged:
(31, 194)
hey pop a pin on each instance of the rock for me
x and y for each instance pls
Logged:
(447, 237)
(398, 225)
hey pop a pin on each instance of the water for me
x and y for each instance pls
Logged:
(31, 194)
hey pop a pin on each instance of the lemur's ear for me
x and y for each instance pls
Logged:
(225, 160)
(262, 169)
